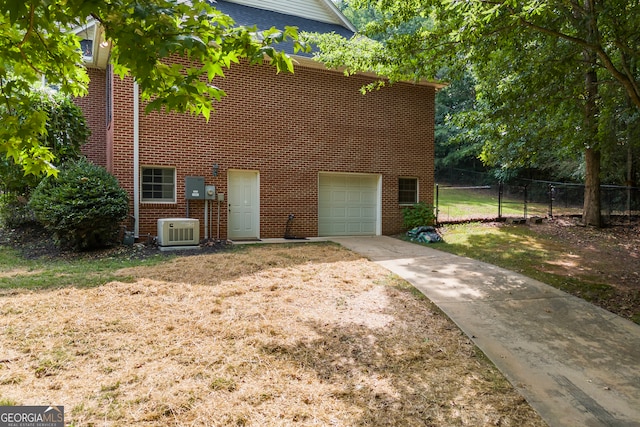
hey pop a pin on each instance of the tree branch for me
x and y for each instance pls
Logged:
(29, 28)
(557, 34)
(627, 69)
(97, 17)
(6, 98)
(628, 82)
(29, 63)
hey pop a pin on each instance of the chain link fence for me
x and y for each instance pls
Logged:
(463, 195)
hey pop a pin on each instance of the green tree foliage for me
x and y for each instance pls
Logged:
(456, 144)
(83, 207)
(530, 105)
(360, 17)
(36, 42)
(66, 131)
(422, 34)
(620, 132)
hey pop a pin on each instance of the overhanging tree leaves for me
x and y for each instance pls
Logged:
(66, 130)
(36, 42)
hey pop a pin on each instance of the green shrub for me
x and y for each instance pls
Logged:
(417, 215)
(14, 212)
(83, 206)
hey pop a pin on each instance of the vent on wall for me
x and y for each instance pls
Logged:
(178, 231)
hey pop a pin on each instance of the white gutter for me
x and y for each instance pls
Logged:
(136, 159)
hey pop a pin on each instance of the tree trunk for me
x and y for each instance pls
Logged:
(632, 129)
(629, 172)
(591, 209)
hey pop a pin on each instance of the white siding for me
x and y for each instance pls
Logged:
(317, 10)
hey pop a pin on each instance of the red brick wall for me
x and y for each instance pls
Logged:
(120, 136)
(94, 107)
(289, 128)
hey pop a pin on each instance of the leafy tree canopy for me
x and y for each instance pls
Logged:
(66, 130)
(420, 36)
(37, 42)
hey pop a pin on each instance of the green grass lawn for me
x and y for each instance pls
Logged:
(459, 204)
(518, 249)
(515, 248)
(16, 272)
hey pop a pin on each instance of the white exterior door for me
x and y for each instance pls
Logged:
(349, 205)
(244, 205)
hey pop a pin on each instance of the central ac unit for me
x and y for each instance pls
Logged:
(178, 232)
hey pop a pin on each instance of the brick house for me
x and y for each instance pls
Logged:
(307, 146)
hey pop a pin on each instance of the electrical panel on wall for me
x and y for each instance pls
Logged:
(194, 188)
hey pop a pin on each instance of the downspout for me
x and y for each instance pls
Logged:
(136, 159)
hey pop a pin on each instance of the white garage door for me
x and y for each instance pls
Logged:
(348, 205)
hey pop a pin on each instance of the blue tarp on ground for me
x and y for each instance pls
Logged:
(424, 234)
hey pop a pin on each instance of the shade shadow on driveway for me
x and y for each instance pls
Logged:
(575, 363)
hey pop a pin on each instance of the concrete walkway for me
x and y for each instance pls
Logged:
(576, 364)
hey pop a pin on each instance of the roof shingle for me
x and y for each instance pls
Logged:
(265, 19)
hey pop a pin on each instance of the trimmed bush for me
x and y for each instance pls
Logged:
(83, 206)
(420, 214)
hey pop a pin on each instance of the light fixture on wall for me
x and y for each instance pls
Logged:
(215, 169)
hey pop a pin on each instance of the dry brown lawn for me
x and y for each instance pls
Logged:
(307, 334)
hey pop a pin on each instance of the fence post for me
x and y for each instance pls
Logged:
(525, 201)
(629, 200)
(437, 201)
(552, 191)
(500, 189)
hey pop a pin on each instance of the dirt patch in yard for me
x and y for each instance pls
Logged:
(607, 258)
(306, 334)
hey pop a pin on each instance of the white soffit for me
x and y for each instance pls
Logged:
(99, 48)
(317, 10)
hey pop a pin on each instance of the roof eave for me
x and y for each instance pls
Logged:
(307, 62)
(100, 48)
(338, 13)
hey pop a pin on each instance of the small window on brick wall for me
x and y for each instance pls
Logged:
(407, 191)
(158, 184)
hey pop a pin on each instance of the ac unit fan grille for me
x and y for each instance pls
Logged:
(179, 235)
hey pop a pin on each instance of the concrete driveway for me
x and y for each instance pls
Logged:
(576, 364)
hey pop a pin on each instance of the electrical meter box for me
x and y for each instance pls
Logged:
(194, 188)
(210, 192)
